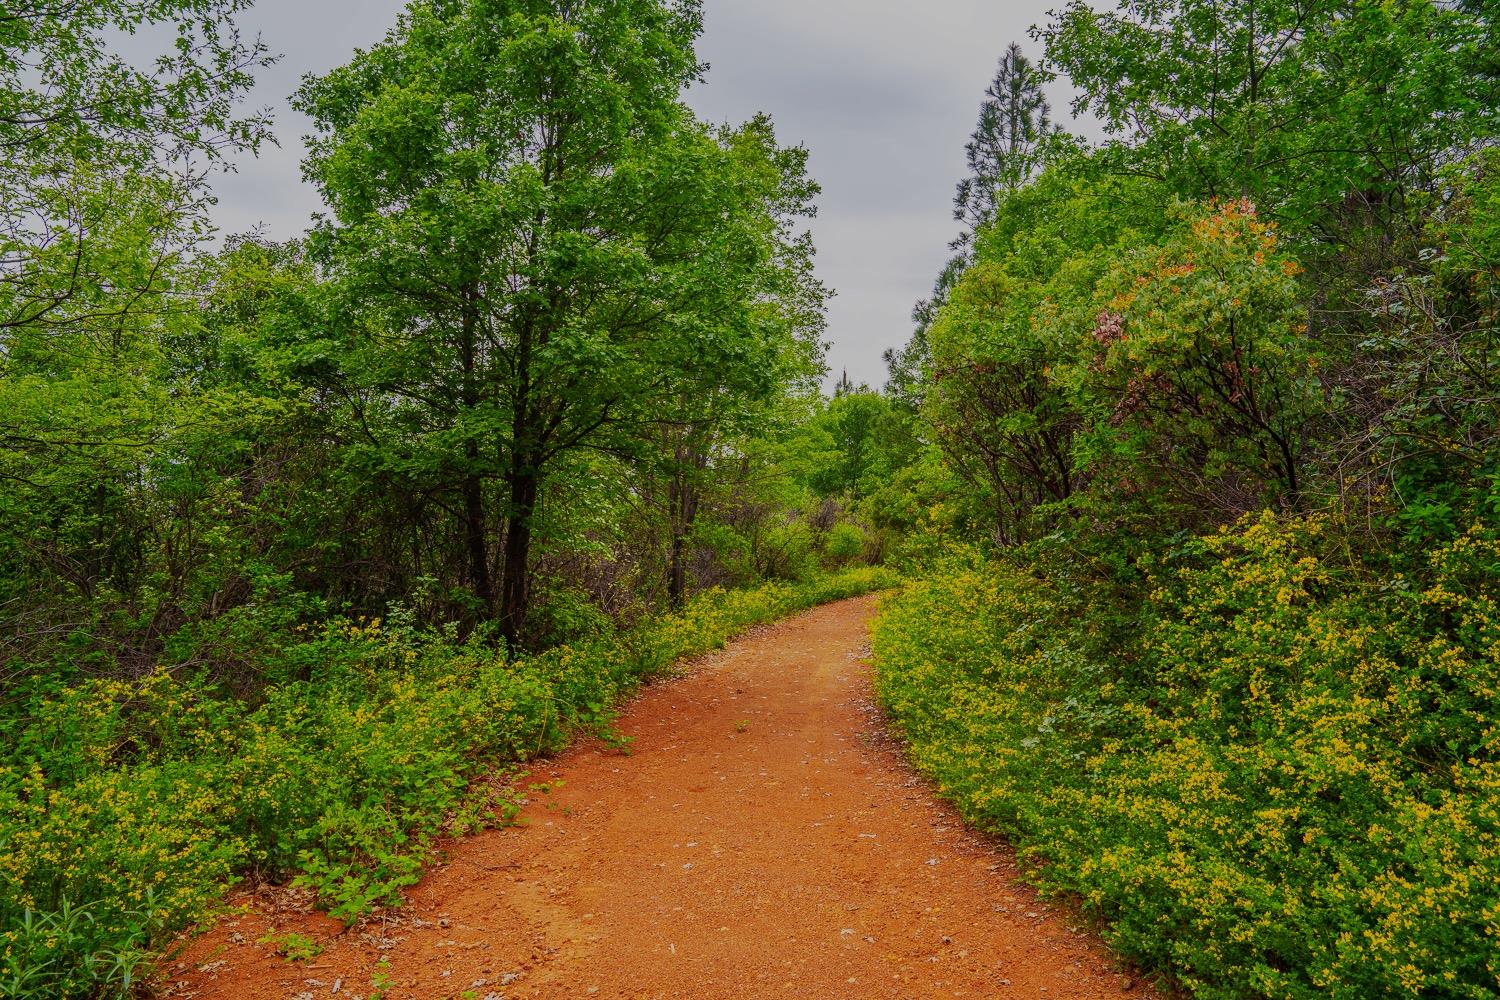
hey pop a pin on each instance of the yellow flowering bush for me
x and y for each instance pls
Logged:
(1284, 784)
(127, 808)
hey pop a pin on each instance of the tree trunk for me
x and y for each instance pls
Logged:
(677, 577)
(479, 555)
(682, 503)
(515, 580)
(682, 508)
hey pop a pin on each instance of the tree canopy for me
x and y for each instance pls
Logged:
(527, 267)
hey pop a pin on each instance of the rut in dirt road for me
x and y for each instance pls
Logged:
(763, 839)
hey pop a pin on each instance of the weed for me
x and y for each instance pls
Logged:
(616, 740)
(381, 980)
(292, 946)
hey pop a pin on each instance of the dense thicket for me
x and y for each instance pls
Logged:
(529, 350)
(1223, 389)
(1194, 450)
(302, 517)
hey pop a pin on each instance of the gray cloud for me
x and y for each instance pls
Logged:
(882, 92)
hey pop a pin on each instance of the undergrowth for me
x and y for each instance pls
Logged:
(127, 808)
(1274, 776)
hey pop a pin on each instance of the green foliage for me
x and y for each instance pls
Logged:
(91, 138)
(1246, 297)
(1174, 374)
(524, 270)
(998, 403)
(69, 953)
(67, 95)
(1433, 352)
(1012, 142)
(917, 517)
(146, 799)
(1279, 779)
(1201, 376)
(844, 542)
(292, 946)
(381, 979)
(1264, 755)
(1322, 114)
(784, 551)
(851, 445)
(101, 199)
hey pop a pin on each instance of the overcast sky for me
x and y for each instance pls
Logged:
(883, 93)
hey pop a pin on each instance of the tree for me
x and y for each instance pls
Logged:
(1201, 381)
(1006, 151)
(997, 399)
(85, 131)
(995, 406)
(67, 93)
(860, 439)
(703, 431)
(102, 193)
(1006, 148)
(539, 250)
(1324, 113)
(1485, 52)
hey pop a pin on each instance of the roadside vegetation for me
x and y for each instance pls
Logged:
(1209, 626)
(131, 805)
(303, 544)
(1190, 466)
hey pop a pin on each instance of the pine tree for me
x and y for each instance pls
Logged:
(1005, 150)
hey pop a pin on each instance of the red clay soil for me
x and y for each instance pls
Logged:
(762, 839)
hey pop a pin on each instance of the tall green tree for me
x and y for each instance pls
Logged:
(84, 130)
(1006, 149)
(1325, 113)
(997, 403)
(538, 249)
(102, 200)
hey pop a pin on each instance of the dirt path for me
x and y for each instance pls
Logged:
(762, 840)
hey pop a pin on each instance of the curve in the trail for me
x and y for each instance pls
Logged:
(763, 839)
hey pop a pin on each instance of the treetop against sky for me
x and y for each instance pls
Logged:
(883, 93)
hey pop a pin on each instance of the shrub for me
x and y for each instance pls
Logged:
(844, 542)
(1286, 786)
(785, 552)
(126, 809)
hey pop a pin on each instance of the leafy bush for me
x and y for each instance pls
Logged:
(1286, 786)
(785, 552)
(844, 542)
(127, 808)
